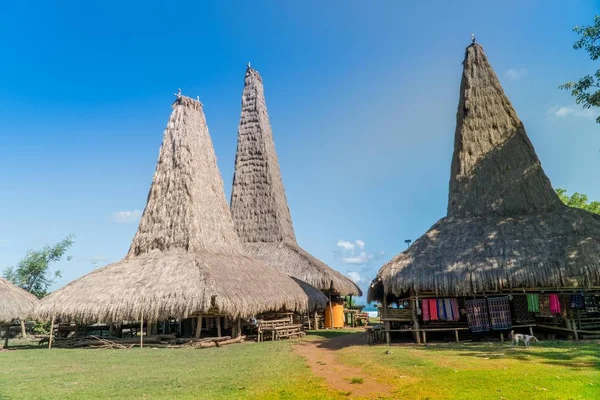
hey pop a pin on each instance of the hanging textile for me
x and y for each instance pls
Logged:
(565, 307)
(448, 308)
(433, 313)
(454, 305)
(520, 309)
(441, 310)
(477, 315)
(545, 306)
(554, 304)
(499, 309)
(591, 305)
(533, 303)
(425, 309)
(577, 301)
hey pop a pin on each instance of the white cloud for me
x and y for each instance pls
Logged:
(362, 258)
(360, 244)
(345, 245)
(516, 73)
(354, 276)
(572, 110)
(124, 217)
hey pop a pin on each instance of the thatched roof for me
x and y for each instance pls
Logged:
(185, 258)
(258, 204)
(505, 228)
(15, 303)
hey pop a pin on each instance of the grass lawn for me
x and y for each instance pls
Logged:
(547, 370)
(245, 371)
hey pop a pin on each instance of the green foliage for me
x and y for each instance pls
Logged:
(350, 301)
(578, 200)
(33, 272)
(41, 328)
(587, 90)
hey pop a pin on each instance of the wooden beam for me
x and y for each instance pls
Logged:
(6, 336)
(51, 330)
(199, 327)
(316, 321)
(414, 303)
(387, 323)
(23, 330)
(456, 335)
(218, 326)
(142, 330)
(239, 327)
(424, 337)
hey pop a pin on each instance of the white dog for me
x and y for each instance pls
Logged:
(519, 337)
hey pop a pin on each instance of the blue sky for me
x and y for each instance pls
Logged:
(362, 98)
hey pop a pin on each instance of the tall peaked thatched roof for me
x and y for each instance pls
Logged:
(258, 204)
(185, 258)
(15, 302)
(505, 227)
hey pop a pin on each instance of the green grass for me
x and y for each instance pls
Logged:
(245, 371)
(356, 380)
(333, 333)
(550, 370)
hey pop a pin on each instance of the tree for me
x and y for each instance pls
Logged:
(587, 89)
(579, 200)
(33, 272)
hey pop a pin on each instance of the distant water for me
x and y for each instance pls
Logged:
(370, 308)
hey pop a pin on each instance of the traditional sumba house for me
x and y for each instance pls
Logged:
(15, 303)
(259, 206)
(185, 259)
(508, 255)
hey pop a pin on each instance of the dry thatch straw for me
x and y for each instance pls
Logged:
(258, 204)
(185, 258)
(15, 303)
(505, 228)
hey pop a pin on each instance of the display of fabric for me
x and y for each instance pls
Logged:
(499, 310)
(520, 309)
(425, 309)
(591, 305)
(533, 303)
(554, 304)
(441, 310)
(433, 312)
(577, 301)
(565, 307)
(477, 315)
(454, 306)
(544, 306)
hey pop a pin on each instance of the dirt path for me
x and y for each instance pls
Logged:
(320, 357)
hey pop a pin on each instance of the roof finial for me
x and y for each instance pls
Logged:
(249, 65)
(198, 99)
(473, 38)
(178, 94)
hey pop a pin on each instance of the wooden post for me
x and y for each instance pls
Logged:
(308, 321)
(424, 337)
(331, 312)
(575, 329)
(387, 323)
(316, 321)
(6, 336)
(199, 327)
(23, 330)
(413, 306)
(142, 330)
(501, 337)
(219, 326)
(239, 327)
(76, 330)
(456, 335)
(531, 330)
(51, 330)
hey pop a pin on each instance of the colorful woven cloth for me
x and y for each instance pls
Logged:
(477, 315)
(554, 304)
(591, 305)
(455, 313)
(499, 309)
(425, 309)
(433, 313)
(533, 303)
(545, 306)
(577, 301)
(441, 310)
(565, 306)
(520, 310)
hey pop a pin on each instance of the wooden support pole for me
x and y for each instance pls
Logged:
(424, 337)
(51, 329)
(23, 330)
(501, 337)
(574, 329)
(456, 335)
(531, 331)
(414, 303)
(331, 312)
(6, 336)
(199, 327)
(219, 326)
(387, 323)
(316, 321)
(239, 327)
(308, 321)
(142, 330)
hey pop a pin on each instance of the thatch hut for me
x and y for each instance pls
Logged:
(258, 203)
(15, 303)
(506, 232)
(185, 259)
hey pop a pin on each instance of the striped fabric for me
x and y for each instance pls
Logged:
(425, 309)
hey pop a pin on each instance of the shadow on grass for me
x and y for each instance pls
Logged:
(566, 354)
(330, 334)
